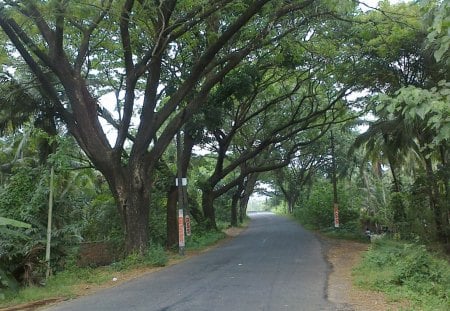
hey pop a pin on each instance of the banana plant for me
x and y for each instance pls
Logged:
(12, 222)
(6, 281)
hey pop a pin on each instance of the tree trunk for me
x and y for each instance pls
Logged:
(234, 208)
(194, 210)
(243, 204)
(445, 155)
(172, 221)
(208, 198)
(249, 186)
(290, 205)
(132, 196)
(433, 194)
(397, 187)
(135, 215)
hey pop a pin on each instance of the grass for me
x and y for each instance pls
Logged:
(71, 282)
(198, 242)
(406, 271)
(344, 234)
(63, 284)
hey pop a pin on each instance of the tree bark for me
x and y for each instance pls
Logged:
(134, 207)
(290, 205)
(234, 208)
(172, 221)
(132, 196)
(196, 213)
(249, 186)
(433, 194)
(209, 213)
(243, 204)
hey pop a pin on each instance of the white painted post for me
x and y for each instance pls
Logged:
(49, 222)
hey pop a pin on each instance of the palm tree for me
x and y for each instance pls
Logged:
(22, 103)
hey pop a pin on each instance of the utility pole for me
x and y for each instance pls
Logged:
(334, 181)
(49, 222)
(179, 184)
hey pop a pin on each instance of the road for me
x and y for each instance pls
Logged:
(273, 265)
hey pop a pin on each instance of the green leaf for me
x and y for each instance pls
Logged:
(13, 233)
(438, 54)
(15, 223)
(422, 111)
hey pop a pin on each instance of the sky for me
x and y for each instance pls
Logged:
(374, 3)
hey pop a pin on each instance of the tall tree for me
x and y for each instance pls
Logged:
(292, 179)
(263, 132)
(410, 72)
(78, 50)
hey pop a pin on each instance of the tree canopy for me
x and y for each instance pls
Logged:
(255, 85)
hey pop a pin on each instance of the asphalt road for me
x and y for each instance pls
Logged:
(273, 265)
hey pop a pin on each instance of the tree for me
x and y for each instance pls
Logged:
(21, 103)
(264, 131)
(412, 103)
(292, 179)
(78, 51)
(437, 19)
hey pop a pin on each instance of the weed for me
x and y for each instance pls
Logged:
(406, 271)
(203, 239)
(155, 257)
(65, 283)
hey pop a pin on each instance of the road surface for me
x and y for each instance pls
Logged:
(273, 265)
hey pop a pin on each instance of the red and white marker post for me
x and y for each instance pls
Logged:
(181, 242)
(336, 216)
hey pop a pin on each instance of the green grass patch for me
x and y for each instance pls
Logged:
(65, 284)
(62, 284)
(406, 271)
(203, 239)
(349, 231)
(345, 233)
(156, 256)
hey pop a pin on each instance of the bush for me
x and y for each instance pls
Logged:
(406, 271)
(156, 257)
(201, 239)
(7, 282)
(316, 211)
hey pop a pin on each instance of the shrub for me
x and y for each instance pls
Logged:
(316, 211)
(201, 239)
(406, 271)
(156, 257)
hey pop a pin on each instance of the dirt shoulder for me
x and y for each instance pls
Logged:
(343, 256)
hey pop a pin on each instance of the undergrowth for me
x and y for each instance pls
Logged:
(66, 284)
(406, 271)
(198, 241)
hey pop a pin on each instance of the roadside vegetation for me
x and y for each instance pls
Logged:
(405, 266)
(406, 271)
(74, 280)
(321, 107)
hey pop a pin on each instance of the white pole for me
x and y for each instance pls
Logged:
(49, 223)
(181, 241)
